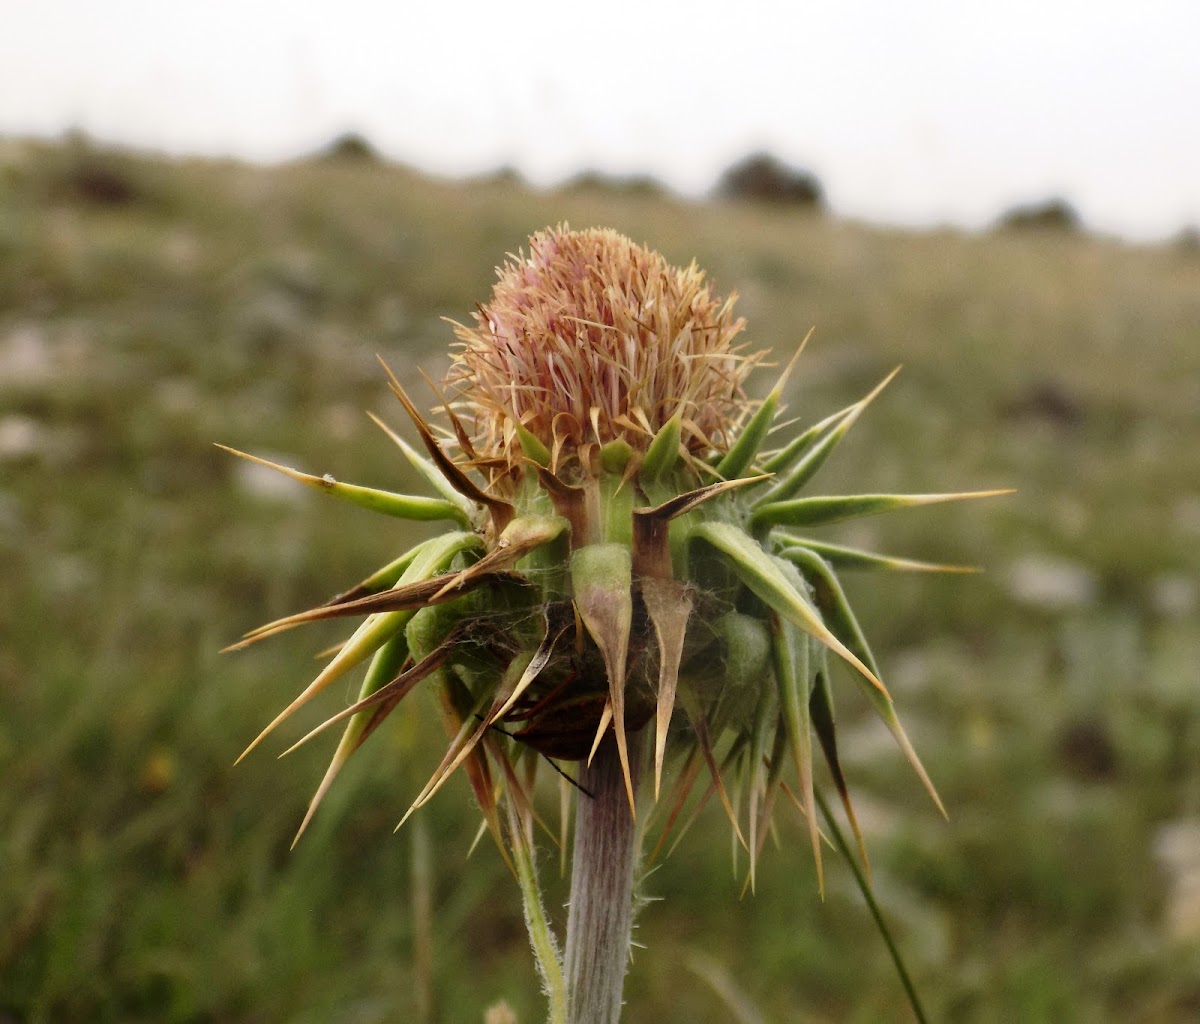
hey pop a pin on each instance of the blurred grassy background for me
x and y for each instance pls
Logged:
(148, 309)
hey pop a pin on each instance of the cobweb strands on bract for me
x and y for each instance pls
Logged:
(623, 553)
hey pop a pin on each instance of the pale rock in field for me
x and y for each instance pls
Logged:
(21, 438)
(1173, 594)
(69, 574)
(177, 396)
(181, 250)
(876, 818)
(909, 670)
(868, 741)
(25, 356)
(1186, 514)
(1053, 584)
(272, 315)
(1177, 849)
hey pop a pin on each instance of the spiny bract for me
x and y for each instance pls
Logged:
(623, 554)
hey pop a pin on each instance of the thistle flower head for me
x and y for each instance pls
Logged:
(624, 553)
(591, 339)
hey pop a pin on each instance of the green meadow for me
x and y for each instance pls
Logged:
(149, 309)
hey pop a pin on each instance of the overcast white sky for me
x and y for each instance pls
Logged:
(909, 111)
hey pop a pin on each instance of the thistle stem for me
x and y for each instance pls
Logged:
(600, 920)
(541, 937)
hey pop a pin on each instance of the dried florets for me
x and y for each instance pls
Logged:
(593, 338)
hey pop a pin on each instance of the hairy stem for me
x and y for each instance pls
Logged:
(600, 920)
(545, 948)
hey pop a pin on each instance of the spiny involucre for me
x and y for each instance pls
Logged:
(624, 554)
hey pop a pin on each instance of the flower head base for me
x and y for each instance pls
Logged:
(592, 339)
(624, 554)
